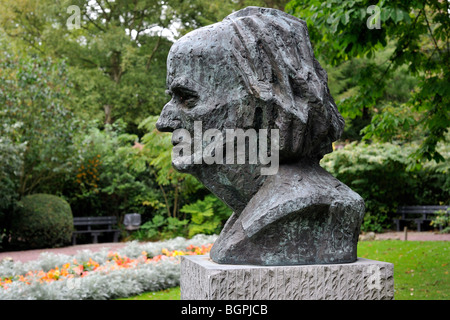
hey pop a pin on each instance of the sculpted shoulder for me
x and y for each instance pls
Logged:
(295, 189)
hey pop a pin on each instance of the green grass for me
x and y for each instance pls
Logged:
(167, 294)
(421, 269)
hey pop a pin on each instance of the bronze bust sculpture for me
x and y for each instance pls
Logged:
(256, 70)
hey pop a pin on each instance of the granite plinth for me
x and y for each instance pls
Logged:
(203, 279)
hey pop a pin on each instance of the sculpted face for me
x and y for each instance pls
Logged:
(206, 88)
(203, 85)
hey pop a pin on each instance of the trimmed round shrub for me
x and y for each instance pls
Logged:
(42, 221)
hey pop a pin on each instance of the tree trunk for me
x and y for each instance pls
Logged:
(115, 74)
(108, 118)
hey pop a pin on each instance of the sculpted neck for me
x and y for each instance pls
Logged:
(236, 185)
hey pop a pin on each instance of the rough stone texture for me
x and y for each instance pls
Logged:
(256, 70)
(203, 279)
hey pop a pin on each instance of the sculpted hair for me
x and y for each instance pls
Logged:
(277, 65)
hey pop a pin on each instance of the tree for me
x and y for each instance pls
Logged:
(34, 119)
(345, 82)
(192, 14)
(36, 130)
(11, 160)
(419, 33)
(102, 182)
(117, 51)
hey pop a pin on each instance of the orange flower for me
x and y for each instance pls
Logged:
(78, 269)
(115, 262)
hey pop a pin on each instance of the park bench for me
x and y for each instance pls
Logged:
(95, 226)
(418, 214)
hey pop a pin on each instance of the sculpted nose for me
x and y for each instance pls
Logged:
(169, 119)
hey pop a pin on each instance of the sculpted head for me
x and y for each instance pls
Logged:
(254, 70)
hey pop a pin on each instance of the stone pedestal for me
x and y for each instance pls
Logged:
(203, 279)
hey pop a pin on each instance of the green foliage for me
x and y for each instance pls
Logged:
(11, 161)
(442, 220)
(115, 55)
(42, 221)
(391, 83)
(185, 213)
(161, 227)
(380, 173)
(35, 119)
(346, 84)
(393, 124)
(207, 215)
(417, 30)
(36, 129)
(193, 14)
(157, 152)
(102, 183)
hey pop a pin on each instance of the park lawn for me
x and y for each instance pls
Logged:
(166, 294)
(421, 269)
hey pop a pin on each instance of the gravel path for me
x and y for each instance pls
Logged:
(414, 236)
(28, 255)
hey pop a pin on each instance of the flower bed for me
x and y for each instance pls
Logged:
(101, 275)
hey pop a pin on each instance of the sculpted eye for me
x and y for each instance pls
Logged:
(187, 98)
